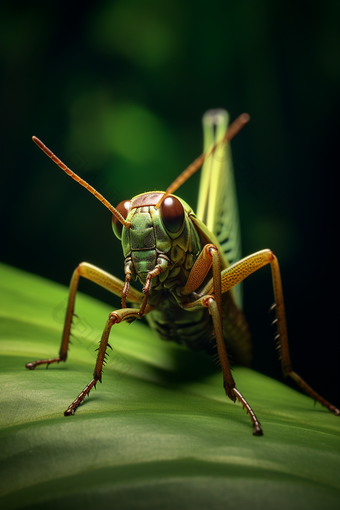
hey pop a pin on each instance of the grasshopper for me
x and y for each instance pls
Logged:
(188, 266)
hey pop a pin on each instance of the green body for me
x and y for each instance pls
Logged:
(147, 242)
(147, 237)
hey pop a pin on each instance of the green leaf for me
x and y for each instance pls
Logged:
(158, 433)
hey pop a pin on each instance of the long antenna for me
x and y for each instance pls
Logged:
(81, 181)
(233, 129)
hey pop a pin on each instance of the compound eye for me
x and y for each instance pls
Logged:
(172, 213)
(123, 208)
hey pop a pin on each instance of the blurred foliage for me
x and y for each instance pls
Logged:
(117, 90)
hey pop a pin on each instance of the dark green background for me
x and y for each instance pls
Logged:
(117, 91)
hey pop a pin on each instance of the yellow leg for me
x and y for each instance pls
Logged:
(238, 272)
(100, 277)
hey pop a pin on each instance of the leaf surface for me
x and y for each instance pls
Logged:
(158, 433)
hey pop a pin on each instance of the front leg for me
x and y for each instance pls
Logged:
(125, 314)
(163, 262)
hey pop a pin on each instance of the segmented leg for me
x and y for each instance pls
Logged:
(102, 278)
(86, 391)
(128, 275)
(209, 257)
(125, 314)
(229, 383)
(163, 263)
(200, 269)
(282, 339)
(238, 272)
(213, 302)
